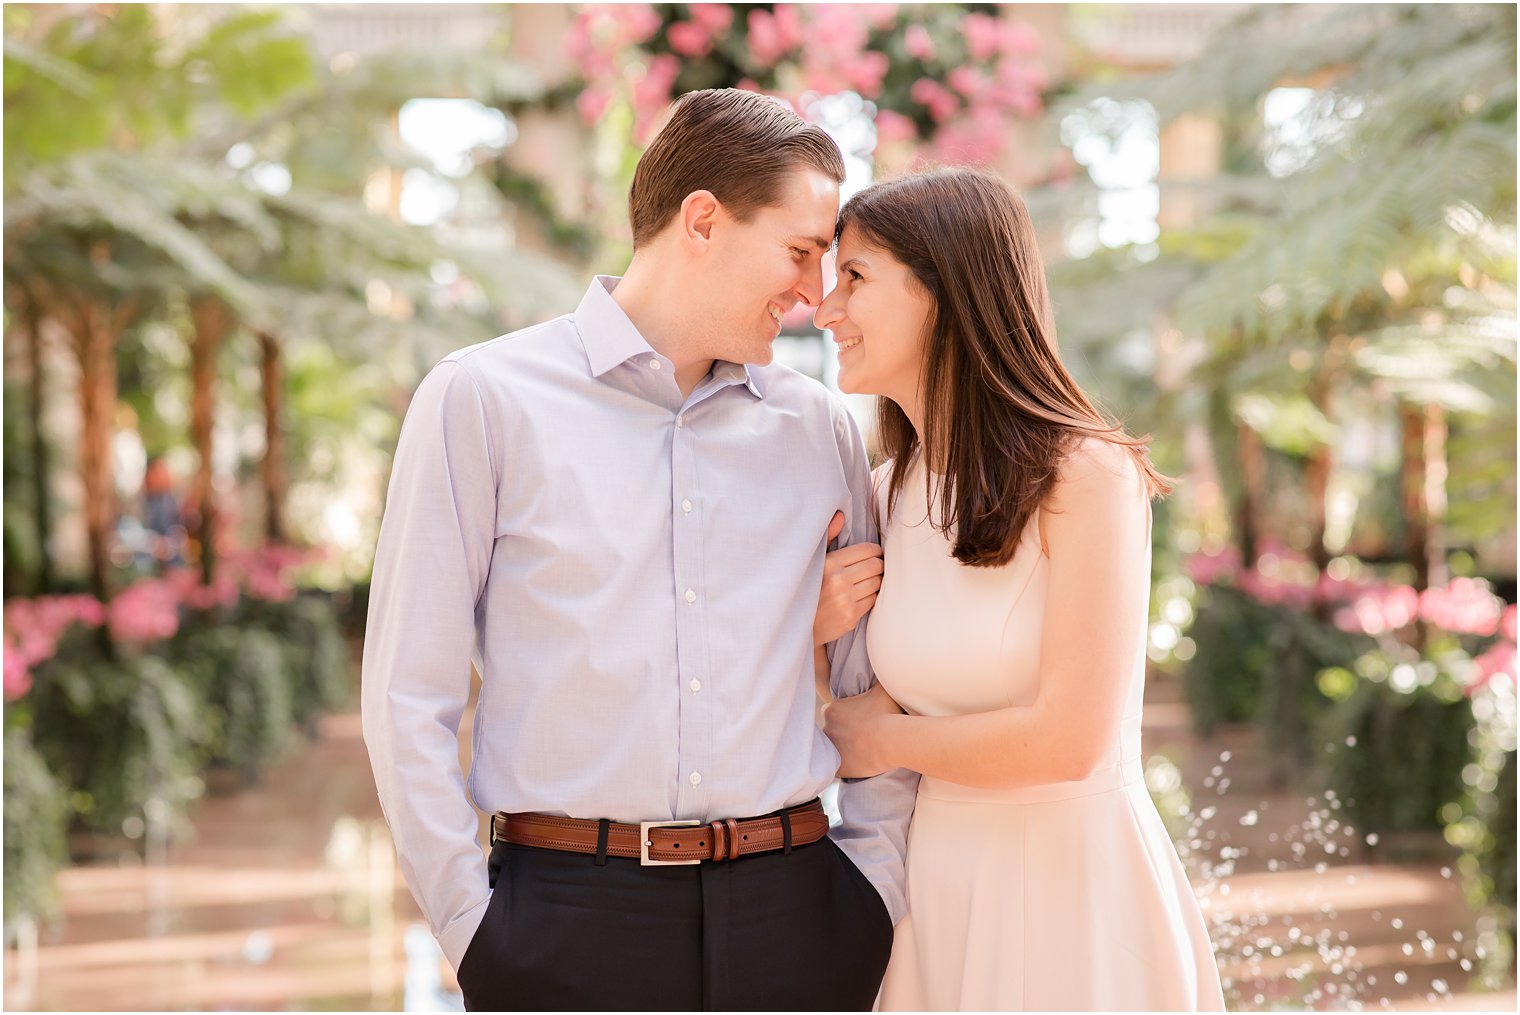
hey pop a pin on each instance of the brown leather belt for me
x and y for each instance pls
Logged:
(663, 843)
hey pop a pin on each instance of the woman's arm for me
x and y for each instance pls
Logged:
(1095, 531)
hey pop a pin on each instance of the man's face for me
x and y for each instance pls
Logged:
(762, 268)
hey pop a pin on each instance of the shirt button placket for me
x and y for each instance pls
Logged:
(695, 719)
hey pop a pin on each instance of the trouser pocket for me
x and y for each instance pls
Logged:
(480, 967)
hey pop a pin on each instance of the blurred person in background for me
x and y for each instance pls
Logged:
(1009, 630)
(157, 539)
(619, 517)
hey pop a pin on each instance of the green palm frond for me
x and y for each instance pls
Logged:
(104, 196)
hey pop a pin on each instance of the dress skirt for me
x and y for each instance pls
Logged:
(1062, 897)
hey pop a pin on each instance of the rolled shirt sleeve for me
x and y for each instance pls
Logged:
(431, 564)
(875, 811)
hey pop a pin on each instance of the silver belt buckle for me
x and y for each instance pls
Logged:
(645, 843)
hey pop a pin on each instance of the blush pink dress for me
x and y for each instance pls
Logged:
(1066, 896)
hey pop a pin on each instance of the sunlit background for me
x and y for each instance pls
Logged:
(1281, 239)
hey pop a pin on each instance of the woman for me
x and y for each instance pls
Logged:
(1010, 625)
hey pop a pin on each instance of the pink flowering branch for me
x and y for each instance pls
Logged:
(146, 612)
(957, 81)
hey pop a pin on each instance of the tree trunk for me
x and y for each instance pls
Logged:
(95, 347)
(1251, 459)
(211, 320)
(1321, 460)
(1422, 489)
(31, 313)
(274, 439)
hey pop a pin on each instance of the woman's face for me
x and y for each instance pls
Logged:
(879, 315)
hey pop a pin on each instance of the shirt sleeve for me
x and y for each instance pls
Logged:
(875, 811)
(431, 563)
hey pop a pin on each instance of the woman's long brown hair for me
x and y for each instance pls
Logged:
(1001, 411)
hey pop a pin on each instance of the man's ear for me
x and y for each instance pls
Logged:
(699, 212)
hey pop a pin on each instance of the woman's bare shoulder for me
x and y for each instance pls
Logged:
(1099, 469)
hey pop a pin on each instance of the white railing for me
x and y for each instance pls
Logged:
(365, 28)
(1154, 34)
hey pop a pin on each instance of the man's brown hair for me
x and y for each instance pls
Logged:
(1001, 411)
(739, 145)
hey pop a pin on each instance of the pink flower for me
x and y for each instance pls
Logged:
(968, 141)
(651, 93)
(1016, 37)
(918, 43)
(837, 29)
(592, 105)
(868, 72)
(18, 677)
(186, 583)
(772, 35)
(1401, 604)
(1500, 659)
(1207, 568)
(270, 587)
(145, 612)
(821, 76)
(634, 23)
(689, 39)
(716, 18)
(578, 42)
(935, 97)
(34, 626)
(599, 65)
(893, 126)
(1507, 623)
(982, 36)
(878, 16)
(1274, 591)
(1380, 609)
(969, 81)
(1464, 606)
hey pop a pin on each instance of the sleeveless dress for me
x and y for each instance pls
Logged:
(1065, 896)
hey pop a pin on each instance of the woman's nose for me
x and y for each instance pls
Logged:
(829, 312)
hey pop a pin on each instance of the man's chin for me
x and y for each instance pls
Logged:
(759, 355)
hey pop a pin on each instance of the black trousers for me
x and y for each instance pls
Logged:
(804, 931)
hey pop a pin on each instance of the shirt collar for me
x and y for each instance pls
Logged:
(610, 338)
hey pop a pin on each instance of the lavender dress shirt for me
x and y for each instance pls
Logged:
(634, 575)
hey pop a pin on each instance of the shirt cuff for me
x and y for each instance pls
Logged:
(891, 894)
(456, 937)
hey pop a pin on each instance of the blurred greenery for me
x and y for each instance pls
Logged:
(1373, 251)
(1399, 752)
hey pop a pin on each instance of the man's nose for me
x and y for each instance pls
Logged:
(810, 289)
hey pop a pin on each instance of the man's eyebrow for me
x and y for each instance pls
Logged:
(816, 241)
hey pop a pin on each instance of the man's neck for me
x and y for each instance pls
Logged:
(656, 307)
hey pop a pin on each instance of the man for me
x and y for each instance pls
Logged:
(617, 516)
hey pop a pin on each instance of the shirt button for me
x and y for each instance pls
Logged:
(696, 778)
(654, 364)
(691, 596)
(680, 421)
(686, 506)
(695, 685)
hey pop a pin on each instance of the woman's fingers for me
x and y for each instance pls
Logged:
(850, 588)
(855, 553)
(870, 568)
